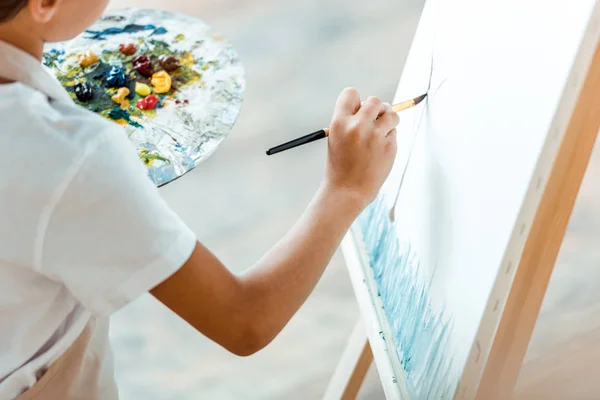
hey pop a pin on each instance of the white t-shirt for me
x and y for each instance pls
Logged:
(83, 231)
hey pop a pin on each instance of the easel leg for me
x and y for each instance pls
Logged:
(352, 368)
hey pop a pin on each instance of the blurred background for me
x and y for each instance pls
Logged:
(298, 55)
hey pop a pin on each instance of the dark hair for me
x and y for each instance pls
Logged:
(10, 8)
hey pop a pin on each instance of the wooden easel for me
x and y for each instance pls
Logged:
(535, 267)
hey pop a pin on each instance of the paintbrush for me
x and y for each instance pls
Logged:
(323, 133)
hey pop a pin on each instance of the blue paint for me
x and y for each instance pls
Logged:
(129, 28)
(421, 334)
(115, 77)
(119, 113)
(53, 58)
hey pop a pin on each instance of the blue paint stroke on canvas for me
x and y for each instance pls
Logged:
(421, 334)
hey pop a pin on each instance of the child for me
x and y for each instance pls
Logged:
(83, 231)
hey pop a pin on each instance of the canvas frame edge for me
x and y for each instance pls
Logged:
(379, 333)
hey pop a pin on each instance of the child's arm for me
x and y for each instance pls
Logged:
(244, 313)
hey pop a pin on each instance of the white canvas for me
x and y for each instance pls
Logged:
(502, 87)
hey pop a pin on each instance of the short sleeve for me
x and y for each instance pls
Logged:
(109, 236)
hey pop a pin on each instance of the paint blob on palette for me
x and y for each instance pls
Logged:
(174, 84)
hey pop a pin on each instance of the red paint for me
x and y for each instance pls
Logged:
(147, 103)
(177, 102)
(127, 49)
(186, 101)
(143, 65)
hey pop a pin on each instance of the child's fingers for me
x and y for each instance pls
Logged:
(387, 107)
(387, 122)
(391, 135)
(391, 144)
(347, 103)
(372, 108)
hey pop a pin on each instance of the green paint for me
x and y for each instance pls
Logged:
(119, 113)
(52, 58)
(113, 56)
(149, 158)
(158, 48)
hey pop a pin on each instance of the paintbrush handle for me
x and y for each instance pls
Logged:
(311, 137)
(404, 105)
(323, 133)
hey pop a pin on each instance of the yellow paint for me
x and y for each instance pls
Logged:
(179, 38)
(145, 160)
(142, 89)
(161, 82)
(74, 73)
(88, 58)
(120, 97)
(121, 122)
(187, 59)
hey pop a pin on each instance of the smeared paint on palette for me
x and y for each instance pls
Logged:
(420, 334)
(174, 84)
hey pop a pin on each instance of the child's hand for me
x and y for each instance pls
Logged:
(361, 146)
